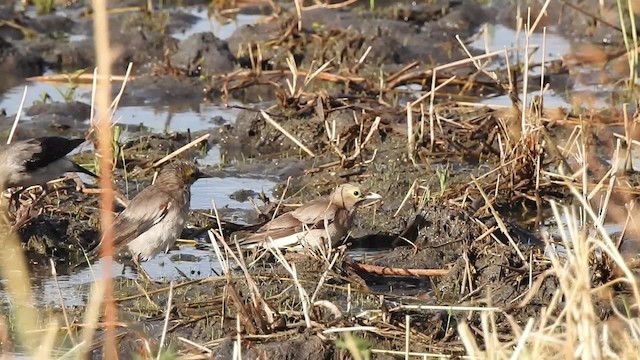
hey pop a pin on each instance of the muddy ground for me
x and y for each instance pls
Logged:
(434, 214)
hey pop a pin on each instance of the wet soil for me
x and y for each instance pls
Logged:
(454, 201)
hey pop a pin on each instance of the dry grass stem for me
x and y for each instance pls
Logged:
(286, 133)
(291, 269)
(18, 114)
(54, 273)
(81, 78)
(104, 150)
(166, 321)
(181, 150)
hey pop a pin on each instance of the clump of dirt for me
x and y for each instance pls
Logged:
(203, 54)
(66, 225)
(304, 347)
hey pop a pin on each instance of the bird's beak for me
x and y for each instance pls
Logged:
(369, 199)
(372, 196)
(201, 175)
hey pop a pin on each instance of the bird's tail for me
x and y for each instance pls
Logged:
(80, 169)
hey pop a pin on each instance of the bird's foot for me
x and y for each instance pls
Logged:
(80, 186)
(142, 273)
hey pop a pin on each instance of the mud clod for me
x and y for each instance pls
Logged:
(203, 54)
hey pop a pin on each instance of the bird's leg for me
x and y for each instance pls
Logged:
(80, 186)
(140, 269)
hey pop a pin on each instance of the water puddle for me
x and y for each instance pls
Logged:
(175, 265)
(211, 23)
(498, 37)
(206, 191)
(583, 87)
(164, 119)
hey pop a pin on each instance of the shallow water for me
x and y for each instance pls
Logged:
(221, 30)
(192, 262)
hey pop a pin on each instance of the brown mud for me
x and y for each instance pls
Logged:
(455, 191)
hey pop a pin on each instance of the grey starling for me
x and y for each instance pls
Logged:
(318, 223)
(37, 161)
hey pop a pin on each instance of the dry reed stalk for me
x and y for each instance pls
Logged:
(525, 126)
(166, 321)
(197, 346)
(82, 78)
(410, 138)
(54, 273)
(445, 308)
(18, 114)
(257, 299)
(498, 218)
(286, 133)
(91, 316)
(116, 101)
(311, 76)
(284, 193)
(247, 74)
(47, 343)
(399, 80)
(14, 270)
(298, 4)
(181, 150)
(327, 5)
(324, 275)
(291, 269)
(166, 289)
(103, 56)
(381, 270)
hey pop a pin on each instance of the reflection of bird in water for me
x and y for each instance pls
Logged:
(319, 223)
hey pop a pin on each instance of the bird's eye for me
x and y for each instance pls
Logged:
(356, 193)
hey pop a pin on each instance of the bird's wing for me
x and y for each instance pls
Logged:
(259, 238)
(45, 150)
(313, 215)
(316, 213)
(138, 217)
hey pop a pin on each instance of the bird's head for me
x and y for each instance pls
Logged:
(187, 172)
(349, 196)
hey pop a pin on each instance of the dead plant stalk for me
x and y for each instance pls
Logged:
(273, 123)
(103, 56)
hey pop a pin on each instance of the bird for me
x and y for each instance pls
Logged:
(37, 161)
(155, 217)
(317, 224)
